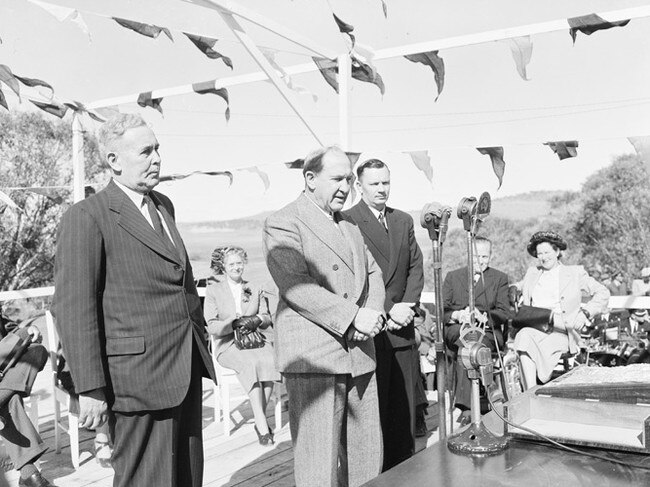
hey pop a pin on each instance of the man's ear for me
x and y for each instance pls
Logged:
(310, 180)
(113, 162)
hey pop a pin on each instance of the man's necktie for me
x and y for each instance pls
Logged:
(382, 220)
(155, 219)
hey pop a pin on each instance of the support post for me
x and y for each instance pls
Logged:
(78, 164)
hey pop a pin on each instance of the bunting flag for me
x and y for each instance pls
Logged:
(33, 82)
(360, 71)
(64, 14)
(328, 68)
(206, 46)
(148, 30)
(297, 164)
(207, 87)
(522, 51)
(496, 156)
(269, 54)
(354, 158)
(564, 149)
(642, 147)
(79, 107)
(52, 107)
(8, 78)
(384, 8)
(176, 177)
(3, 100)
(436, 64)
(4, 197)
(263, 176)
(422, 161)
(145, 100)
(345, 28)
(588, 24)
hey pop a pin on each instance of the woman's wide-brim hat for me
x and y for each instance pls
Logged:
(551, 237)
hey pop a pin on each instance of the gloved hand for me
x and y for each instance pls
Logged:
(247, 323)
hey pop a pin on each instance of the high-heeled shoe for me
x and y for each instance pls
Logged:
(264, 440)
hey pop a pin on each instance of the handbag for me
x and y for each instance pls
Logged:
(245, 340)
(533, 317)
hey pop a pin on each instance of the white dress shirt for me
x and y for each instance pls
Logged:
(140, 204)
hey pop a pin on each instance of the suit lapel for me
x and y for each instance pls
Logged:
(131, 220)
(373, 230)
(171, 225)
(395, 236)
(358, 257)
(324, 229)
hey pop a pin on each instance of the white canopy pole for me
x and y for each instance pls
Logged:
(345, 76)
(78, 164)
(434, 45)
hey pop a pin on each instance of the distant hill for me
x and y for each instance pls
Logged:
(523, 206)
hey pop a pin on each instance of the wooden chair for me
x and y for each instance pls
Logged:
(61, 396)
(228, 377)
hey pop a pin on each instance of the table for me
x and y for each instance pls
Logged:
(524, 463)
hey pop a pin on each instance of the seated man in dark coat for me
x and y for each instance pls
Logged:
(490, 297)
(22, 442)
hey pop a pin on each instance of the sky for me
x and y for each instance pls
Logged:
(596, 91)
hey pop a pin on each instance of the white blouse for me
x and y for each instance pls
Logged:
(546, 293)
(236, 290)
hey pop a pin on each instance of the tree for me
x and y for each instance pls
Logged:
(612, 221)
(36, 152)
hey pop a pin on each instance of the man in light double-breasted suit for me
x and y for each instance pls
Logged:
(331, 306)
(130, 319)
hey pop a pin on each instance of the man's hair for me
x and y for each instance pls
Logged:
(480, 239)
(314, 160)
(370, 164)
(115, 127)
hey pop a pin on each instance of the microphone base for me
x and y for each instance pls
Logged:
(476, 439)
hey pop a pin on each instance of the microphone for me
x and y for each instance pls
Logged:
(435, 216)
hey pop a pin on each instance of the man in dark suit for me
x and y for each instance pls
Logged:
(490, 297)
(390, 237)
(129, 316)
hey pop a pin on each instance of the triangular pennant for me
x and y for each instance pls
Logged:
(384, 8)
(329, 69)
(8, 78)
(269, 54)
(522, 51)
(436, 64)
(63, 14)
(207, 87)
(366, 72)
(4, 197)
(206, 46)
(496, 156)
(354, 158)
(52, 108)
(81, 108)
(297, 164)
(588, 24)
(642, 147)
(564, 149)
(422, 161)
(145, 100)
(33, 82)
(345, 28)
(148, 30)
(263, 176)
(3, 100)
(176, 177)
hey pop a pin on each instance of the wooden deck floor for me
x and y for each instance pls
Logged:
(232, 461)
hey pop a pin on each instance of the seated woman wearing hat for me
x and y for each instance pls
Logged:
(559, 288)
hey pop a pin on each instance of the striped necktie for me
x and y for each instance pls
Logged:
(382, 220)
(155, 219)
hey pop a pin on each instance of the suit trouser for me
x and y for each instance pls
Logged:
(162, 448)
(396, 385)
(463, 382)
(22, 441)
(334, 420)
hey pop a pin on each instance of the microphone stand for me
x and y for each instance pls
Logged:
(435, 219)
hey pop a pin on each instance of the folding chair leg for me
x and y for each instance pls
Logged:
(73, 431)
(217, 403)
(225, 407)
(57, 426)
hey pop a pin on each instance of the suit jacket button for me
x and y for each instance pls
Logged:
(345, 295)
(335, 267)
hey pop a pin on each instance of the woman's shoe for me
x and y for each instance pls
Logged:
(103, 453)
(264, 440)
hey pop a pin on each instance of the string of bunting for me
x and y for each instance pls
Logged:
(421, 159)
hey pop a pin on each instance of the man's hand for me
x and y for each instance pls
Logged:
(34, 334)
(368, 321)
(356, 336)
(401, 314)
(392, 326)
(93, 410)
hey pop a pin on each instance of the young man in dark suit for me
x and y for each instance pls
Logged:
(129, 317)
(390, 237)
(490, 297)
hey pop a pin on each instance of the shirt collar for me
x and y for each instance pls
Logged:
(377, 212)
(328, 215)
(134, 196)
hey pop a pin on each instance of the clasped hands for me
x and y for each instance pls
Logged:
(463, 316)
(247, 324)
(368, 322)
